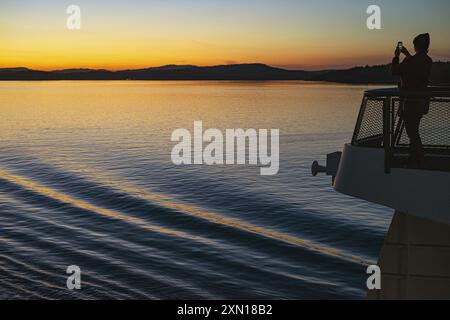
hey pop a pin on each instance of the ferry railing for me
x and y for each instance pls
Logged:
(380, 125)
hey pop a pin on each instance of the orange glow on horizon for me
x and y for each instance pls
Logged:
(121, 37)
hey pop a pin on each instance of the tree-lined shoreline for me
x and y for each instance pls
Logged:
(357, 75)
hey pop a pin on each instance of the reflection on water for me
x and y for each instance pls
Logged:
(86, 179)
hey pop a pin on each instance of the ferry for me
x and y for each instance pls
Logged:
(415, 257)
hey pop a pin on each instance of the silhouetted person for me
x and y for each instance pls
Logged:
(415, 74)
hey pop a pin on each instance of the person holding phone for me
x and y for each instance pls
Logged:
(415, 72)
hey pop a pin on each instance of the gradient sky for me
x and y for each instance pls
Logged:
(293, 34)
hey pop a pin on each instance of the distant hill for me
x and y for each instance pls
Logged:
(224, 72)
(358, 75)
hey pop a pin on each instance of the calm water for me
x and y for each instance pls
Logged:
(86, 179)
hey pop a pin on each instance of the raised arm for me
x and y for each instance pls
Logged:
(398, 69)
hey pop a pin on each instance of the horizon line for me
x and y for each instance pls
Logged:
(201, 66)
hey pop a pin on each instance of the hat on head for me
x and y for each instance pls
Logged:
(422, 42)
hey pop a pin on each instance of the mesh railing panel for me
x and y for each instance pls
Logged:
(434, 127)
(370, 129)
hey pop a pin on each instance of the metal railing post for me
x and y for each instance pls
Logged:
(387, 109)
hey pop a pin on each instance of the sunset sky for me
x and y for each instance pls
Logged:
(293, 34)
